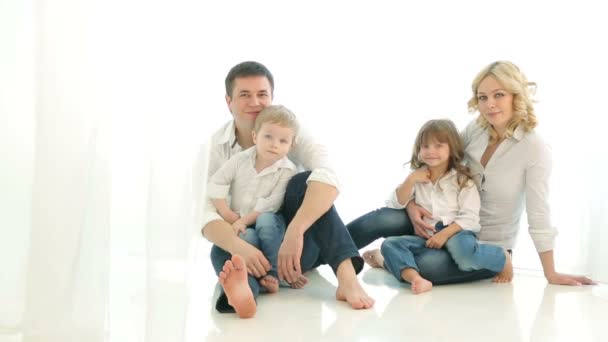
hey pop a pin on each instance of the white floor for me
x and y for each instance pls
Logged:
(526, 310)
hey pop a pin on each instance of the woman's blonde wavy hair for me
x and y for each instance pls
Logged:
(514, 82)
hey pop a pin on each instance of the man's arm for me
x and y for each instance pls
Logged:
(318, 199)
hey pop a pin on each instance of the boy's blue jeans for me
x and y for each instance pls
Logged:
(435, 265)
(327, 241)
(400, 252)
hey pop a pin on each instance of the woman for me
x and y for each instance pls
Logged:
(512, 164)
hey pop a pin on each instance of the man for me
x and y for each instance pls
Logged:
(315, 233)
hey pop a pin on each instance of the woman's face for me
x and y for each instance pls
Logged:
(495, 103)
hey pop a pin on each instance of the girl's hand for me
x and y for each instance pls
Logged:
(421, 175)
(437, 241)
(566, 279)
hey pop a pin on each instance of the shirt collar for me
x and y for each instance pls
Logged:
(283, 163)
(519, 132)
(228, 135)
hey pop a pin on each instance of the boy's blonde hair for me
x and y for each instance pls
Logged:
(515, 82)
(279, 115)
(443, 131)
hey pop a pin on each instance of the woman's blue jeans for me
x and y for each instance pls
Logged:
(435, 265)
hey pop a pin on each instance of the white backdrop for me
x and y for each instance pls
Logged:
(104, 106)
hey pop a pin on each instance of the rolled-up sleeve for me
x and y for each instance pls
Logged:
(538, 173)
(314, 157)
(469, 204)
(273, 202)
(393, 202)
(219, 185)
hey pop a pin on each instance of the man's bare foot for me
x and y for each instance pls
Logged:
(300, 283)
(506, 275)
(421, 285)
(374, 258)
(233, 279)
(270, 283)
(354, 295)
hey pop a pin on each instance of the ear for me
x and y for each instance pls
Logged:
(228, 101)
(254, 137)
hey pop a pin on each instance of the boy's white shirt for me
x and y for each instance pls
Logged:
(306, 154)
(446, 201)
(245, 189)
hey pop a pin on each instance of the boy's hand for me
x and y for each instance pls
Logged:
(437, 241)
(239, 227)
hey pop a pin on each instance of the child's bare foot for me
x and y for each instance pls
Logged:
(300, 283)
(374, 258)
(506, 275)
(421, 285)
(270, 283)
(233, 279)
(354, 295)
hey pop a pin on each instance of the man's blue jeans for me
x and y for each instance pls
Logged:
(399, 252)
(435, 265)
(327, 241)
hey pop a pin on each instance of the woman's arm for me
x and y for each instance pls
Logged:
(546, 259)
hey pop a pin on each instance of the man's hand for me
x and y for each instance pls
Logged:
(416, 214)
(437, 241)
(289, 255)
(257, 264)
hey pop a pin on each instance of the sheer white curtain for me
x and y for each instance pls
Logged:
(104, 105)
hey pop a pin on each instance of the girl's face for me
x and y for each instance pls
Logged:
(495, 103)
(434, 153)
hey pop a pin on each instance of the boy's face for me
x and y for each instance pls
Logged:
(273, 141)
(249, 96)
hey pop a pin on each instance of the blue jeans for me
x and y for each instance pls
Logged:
(327, 241)
(270, 229)
(435, 265)
(399, 252)
(219, 258)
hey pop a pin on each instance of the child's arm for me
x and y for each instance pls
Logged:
(224, 210)
(405, 190)
(440, 238)
(218, 188)
(242, 223)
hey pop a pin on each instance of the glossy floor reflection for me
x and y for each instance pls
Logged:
(526, 310)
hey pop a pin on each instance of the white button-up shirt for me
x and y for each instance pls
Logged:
(446, 201)
(306, 154)
(517, 174)
(245, 189)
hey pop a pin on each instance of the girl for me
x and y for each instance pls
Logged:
(442, 185)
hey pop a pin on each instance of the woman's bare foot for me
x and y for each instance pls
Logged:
(270, 283)
(349, 288)
(421, 285)
(506, 275)
(233, 279)
(374, 258)
(300, 283)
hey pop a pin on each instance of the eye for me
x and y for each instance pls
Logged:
(499, 95)
(284, 141)
(244, 95)
(267, 136)
(482, 98)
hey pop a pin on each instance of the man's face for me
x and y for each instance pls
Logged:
(249, 96)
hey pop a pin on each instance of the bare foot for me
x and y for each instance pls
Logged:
(354, 295)
(421, 285)
(233, 279)
(506, 275)
(300, 283)
(374, 258)
(270, 283)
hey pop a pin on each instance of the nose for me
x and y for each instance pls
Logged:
(254, 101)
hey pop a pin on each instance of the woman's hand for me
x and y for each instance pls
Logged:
(566, 279)
(417, 214)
